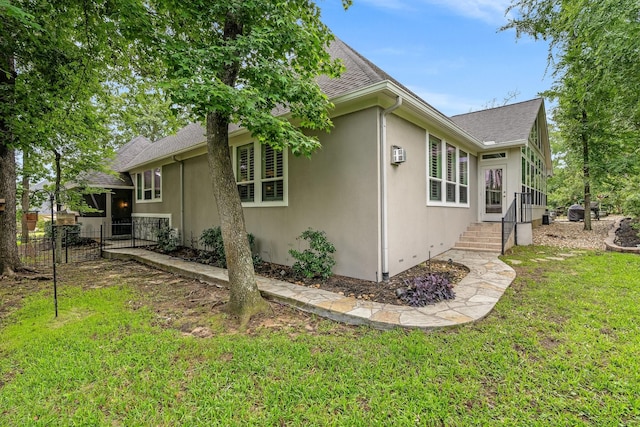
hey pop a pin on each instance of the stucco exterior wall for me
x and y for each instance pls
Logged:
(334, 191)
(170, 203)
(415, 229)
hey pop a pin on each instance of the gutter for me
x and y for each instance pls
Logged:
(384, 222)
(181, 162)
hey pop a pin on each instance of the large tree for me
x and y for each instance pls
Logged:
(594, 55)
(58, 57)
(239, 61)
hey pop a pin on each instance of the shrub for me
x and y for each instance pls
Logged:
(167, 238)
(428, 289)
(70, 233)
(317, 261)
(214, 254)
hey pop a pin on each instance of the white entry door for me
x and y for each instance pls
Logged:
(494, 193)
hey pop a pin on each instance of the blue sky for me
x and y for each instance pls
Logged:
(449, 52)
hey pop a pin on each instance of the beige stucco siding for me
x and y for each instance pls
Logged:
(334, 191)
(416, 229)
(170, 203)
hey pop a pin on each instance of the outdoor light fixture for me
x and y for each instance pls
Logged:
(398, 155)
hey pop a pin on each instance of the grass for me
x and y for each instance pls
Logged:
(560, 348)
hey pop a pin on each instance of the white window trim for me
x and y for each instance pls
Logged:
(257, 177)
(153, 192)
(443, 179)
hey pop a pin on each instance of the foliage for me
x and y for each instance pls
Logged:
(70, 233)
(425, 290)
(594, 56)
(317, 260)
(214, 253)
(167, 238)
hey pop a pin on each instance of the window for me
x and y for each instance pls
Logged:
(435, 169)
(245, 166)
(493, 156)
(463, 179)
(533, 177)
(448, 174)
(149, 185)
(260, 174)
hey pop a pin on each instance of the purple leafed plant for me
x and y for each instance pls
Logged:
(427, 289)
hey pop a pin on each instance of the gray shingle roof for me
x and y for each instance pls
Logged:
(187, 137)
(124, 155)
(502, 124)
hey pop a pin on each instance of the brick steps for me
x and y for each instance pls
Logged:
(485, 236)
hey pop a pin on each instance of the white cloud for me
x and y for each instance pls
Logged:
(446, 103)
(490, 11)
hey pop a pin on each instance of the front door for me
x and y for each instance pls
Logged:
(494, 194)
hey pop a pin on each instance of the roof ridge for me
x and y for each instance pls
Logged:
(501, 106)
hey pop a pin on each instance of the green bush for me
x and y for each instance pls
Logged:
(70, 233)
(631, 205)
(167, 238)
(317, 261)
(214, 254)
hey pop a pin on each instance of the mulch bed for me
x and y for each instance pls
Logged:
(383, 292)
(627, 234)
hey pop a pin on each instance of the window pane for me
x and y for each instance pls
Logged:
(272, 191)
(435, 149)
(271, 163)
(464, 168)
(157, 183)
(451, 163)
(435, 193)
(246, 192)
(139, 186)
(245, 166)
(463, 194)
(451, 192)
(147, 184)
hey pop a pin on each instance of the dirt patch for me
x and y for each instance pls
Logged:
(628, 234)
(192, 307)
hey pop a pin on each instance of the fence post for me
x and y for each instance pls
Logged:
(66, 244)
(101, 244)
(133, 234)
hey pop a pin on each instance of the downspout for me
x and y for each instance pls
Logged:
(384, 223)
(181, 162)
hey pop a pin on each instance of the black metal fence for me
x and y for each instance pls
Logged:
(74, 243)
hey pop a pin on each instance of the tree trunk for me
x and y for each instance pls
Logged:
(9, 260)
(586, 175)
(245, 299)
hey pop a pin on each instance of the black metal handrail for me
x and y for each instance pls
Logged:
(519, 212)
(509, 224)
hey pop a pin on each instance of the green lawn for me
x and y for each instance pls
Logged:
(560, 348)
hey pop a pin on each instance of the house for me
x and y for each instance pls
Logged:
(396, 181)
(114, 206)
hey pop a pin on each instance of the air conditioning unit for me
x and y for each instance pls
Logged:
(398, 155)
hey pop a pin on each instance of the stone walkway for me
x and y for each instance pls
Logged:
(476, 294)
